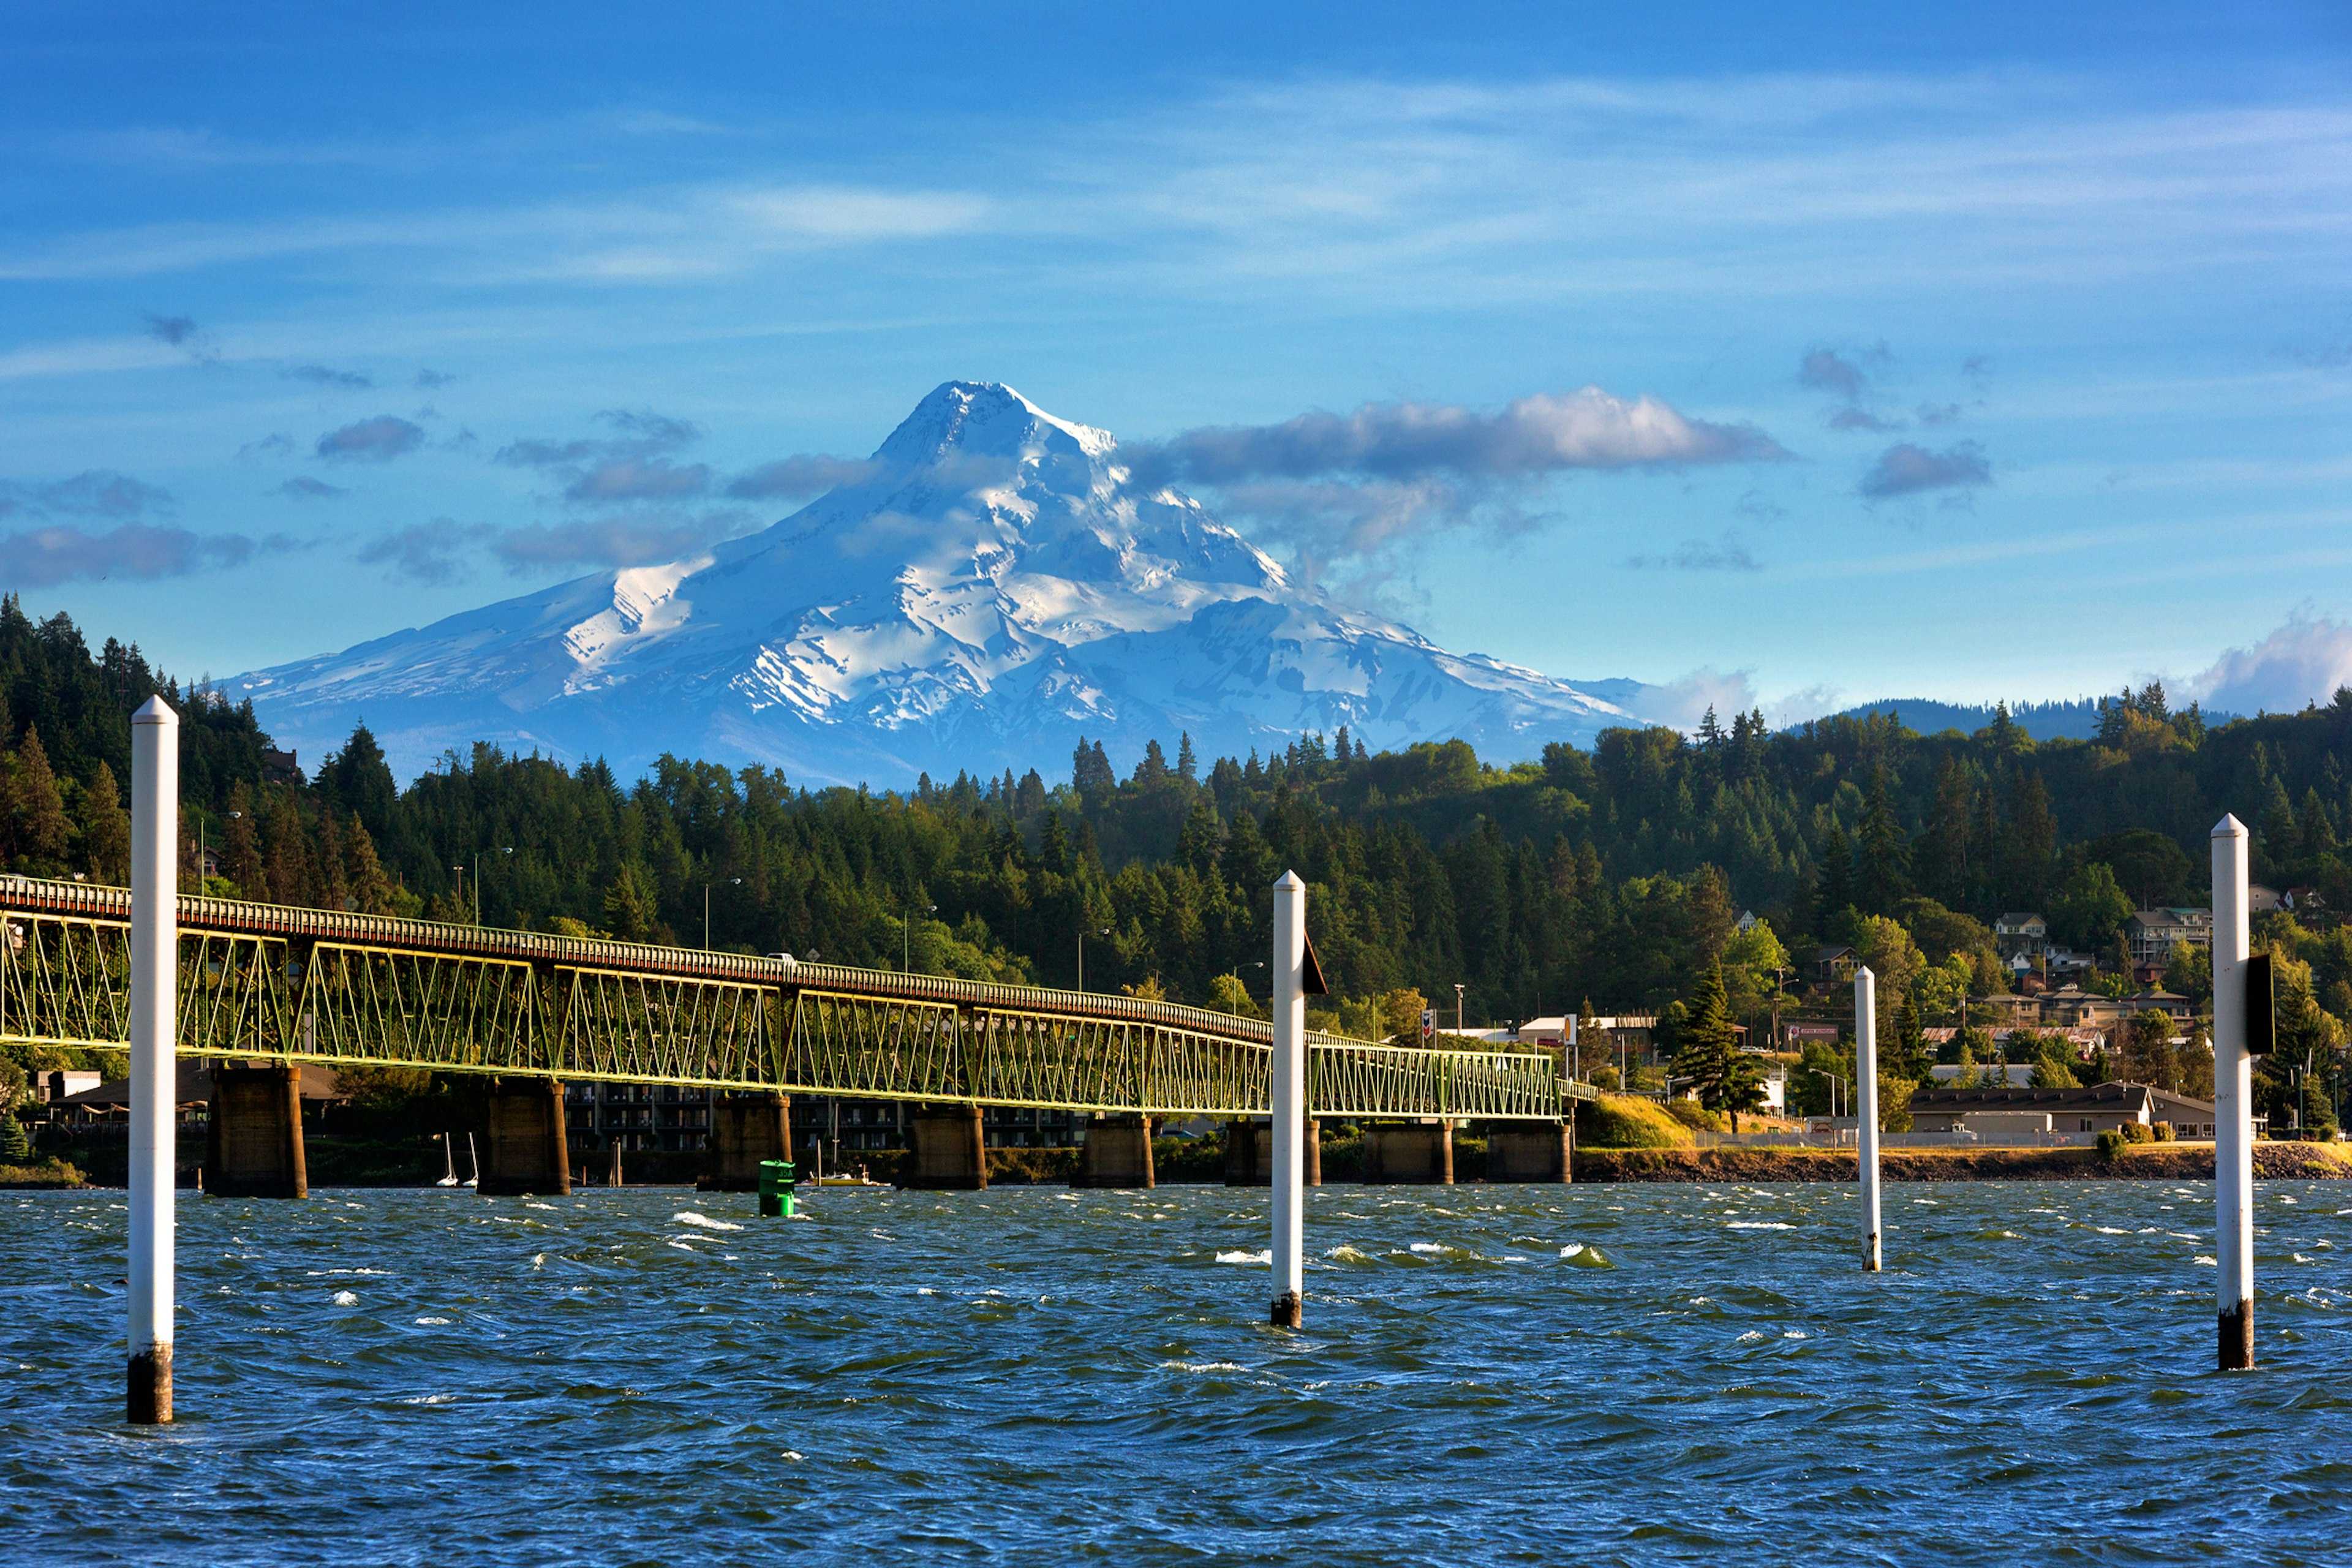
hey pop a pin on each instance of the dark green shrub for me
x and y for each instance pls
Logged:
(2112, 1145)
(2162, 1131)
(1697, 1117)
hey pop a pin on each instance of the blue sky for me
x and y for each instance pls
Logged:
(2032, 333)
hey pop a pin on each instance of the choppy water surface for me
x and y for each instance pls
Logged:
(1617, 1374)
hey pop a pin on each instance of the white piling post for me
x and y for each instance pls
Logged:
(1865, 1085)
(1289, 1099)
(2233, 1101)
(154, 1008)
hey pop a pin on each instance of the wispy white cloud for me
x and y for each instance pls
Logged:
(664, 235)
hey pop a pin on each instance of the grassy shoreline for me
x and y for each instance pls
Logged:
(361, 1164)
(2151, 1161)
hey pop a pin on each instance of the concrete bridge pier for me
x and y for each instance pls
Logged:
(1117, 1153)
(1409, 1154)
(945, 1150)
(1249, 1154)
(253, 1147)
(746, 1129)
(1530, 1152)
(525, 1149)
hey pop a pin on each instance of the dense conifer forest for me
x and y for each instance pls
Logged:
(1609, 878)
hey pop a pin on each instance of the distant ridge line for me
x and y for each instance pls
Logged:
(2075, 719)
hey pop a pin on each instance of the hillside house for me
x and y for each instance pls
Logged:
(2023, 931)
(2152, 932)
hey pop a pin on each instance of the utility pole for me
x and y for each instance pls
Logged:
(1457, 1007)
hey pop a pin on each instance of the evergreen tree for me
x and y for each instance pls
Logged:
(331, 887)
(106, 830)
(2318, 836)
(1943, 850)
(2032, 840)
(41, 832)
(291, 878)
(2003, 733)
(1883, 854)
(241, 861)
(1837, 879)
(370, 892)
(1910, 1059)
(2277, 838)
(1707, 1052)
(15, 1149)
(1188, 767)
(1989, 860)
(628, 907)
(358, 780)
(1711, 919)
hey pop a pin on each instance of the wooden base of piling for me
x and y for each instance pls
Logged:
(150, 1404)
(1288, 1312)
(2237, 1338)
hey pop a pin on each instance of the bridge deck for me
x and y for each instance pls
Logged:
(264, 979)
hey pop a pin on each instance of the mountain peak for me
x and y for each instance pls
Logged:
(996, 588)
(986, 419)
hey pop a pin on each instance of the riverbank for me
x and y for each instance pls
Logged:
(337, 1162)
(2159, 1163)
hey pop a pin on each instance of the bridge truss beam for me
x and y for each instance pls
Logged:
(308, 986)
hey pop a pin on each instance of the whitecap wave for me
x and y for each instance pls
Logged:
(1760, 1225)
(704, 1222)
(1266, 1257)
(346, 1299)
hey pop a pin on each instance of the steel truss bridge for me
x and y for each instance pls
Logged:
(318, 986)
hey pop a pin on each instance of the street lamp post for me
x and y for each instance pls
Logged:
(1457, 1006)
(732, 882)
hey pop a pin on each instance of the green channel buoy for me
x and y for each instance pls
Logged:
(776, 1188)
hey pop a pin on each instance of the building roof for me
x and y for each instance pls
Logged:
(2018, 917)
(2117, 1096)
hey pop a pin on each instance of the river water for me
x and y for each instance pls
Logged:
(1512, 1374)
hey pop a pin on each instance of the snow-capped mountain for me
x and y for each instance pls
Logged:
(995, 587)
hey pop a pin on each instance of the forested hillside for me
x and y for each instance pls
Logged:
(1612, 875)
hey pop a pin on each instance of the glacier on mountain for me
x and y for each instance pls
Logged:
(996, 585)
